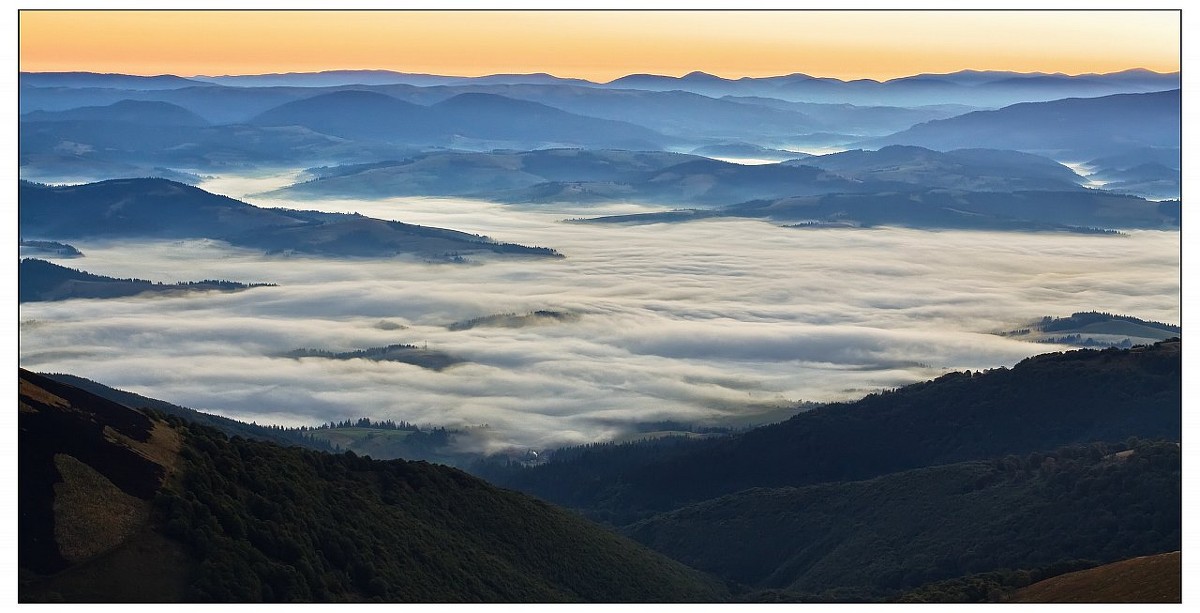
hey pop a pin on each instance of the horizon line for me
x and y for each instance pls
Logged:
(632, 74)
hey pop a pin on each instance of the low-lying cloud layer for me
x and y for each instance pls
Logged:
(723, 321)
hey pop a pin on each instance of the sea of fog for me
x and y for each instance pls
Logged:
(715, 322)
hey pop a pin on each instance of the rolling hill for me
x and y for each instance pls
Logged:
(468, 117)
(1087, 211)
(1072, 128)
(1095, 329)
(157, 208)
(971, 87)
(1042, 403)
(146, 113)
(42, 281)
(983, 170)
(872, 539)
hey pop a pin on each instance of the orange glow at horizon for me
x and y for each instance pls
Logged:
(599, 46)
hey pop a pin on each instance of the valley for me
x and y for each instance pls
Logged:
(406, 331)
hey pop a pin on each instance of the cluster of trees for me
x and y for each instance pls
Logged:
(364, 422)
(1079, 340)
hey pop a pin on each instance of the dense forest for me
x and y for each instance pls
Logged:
(1042, 403)
(259, 522)
(875, 539)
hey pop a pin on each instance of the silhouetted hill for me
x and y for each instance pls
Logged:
(1043, 402)
(685, 116)
(353, 114)
(1095, 329)
(103, 149)
(118, 505)
(146, 113)
(50, 249)
(408, 354)
(328, 78)
(887, 186)
(513, 320)
(1083, 128)
(1088, 211)
(977, 88)
(138, 207)
(40, 281)
(481, 174)
(106, 80)
(366, 115)
(872, 539)
(160, 208)
(965, 169)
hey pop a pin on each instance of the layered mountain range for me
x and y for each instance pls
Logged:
(83, 125)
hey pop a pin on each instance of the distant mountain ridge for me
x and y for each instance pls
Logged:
(995, 88)
(1082, 127)
(368, 115)
(146, 112)
(579, 176)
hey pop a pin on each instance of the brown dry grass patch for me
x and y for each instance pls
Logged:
(33, 392)
(162, 448)
(1157, 578)
(91, 515)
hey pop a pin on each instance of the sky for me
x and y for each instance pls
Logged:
(597, 45)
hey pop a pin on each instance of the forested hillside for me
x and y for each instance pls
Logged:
(107, 492)
(1042, 403)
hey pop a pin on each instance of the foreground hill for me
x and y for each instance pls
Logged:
(40, 281)
(1157, 578)
(157, 208)
(1042, 403)
(121, 505)
(872, 539)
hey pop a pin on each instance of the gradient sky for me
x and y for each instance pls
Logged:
(599, 45)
